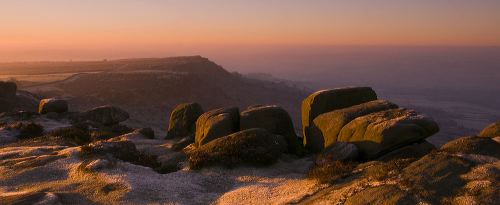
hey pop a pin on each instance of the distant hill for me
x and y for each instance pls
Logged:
(150, 88)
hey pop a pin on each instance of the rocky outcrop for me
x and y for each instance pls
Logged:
(376, 127)
(326, 127)
(440, 177)
(252, 146)
(275, 120)
(216, 123)
(464, 171)
(105, 115)
(183, 120)
(52, 105)
(492, 130)
(328, 100)
(473, 145)
(381, 132)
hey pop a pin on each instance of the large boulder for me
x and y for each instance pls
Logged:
(183, 120)
(26, 101)
(106, 115)
(491, 130)
(8, 89)
(52, 105)
(253, 146)
(275, 120)
(328, 100)
(385, 131)
(216, 123)
(326, 127)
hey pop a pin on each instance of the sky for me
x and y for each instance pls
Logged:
(64, 29)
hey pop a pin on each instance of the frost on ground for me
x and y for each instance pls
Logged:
(58, 174)
(49, 173)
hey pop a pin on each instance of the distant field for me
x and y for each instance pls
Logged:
(35, 73)
(38, 68)
(39, 78)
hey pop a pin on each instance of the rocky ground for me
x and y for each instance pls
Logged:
(355, 149)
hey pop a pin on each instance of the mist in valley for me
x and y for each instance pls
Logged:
(459, 86)
(455, 85)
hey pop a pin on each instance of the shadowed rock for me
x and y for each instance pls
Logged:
(7, 96)
(253, 146)
(328, 100)
(275, 120)
(183, 120)
(216, 123)
(52, 105)
(8, 89)
(118, 149)
(147, 132)
(171, 162)
(341, 151)
(384, 131)
(326, 127)
(415, 150)
(491, 130)
(182, 143)
(106, 115)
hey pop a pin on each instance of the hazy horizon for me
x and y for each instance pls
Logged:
(65, 30)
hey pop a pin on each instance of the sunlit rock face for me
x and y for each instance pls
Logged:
(354, 115)
(216, 123)
(327, 126)
(384, 131)
(328, 100)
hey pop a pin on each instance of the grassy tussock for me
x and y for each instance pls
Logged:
(386, 169)
(253, 147)
(331, 171)
(27, 130)
(74, 134)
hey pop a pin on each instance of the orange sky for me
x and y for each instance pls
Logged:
(33, 29)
